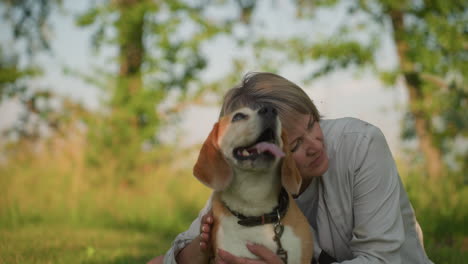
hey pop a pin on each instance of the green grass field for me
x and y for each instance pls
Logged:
(54, 209)
(58, 243)
(65, 244)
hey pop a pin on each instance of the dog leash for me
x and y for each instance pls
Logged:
(278, 229)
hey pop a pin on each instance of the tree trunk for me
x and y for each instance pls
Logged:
(131, 48)
(129, 28)
(432, 154)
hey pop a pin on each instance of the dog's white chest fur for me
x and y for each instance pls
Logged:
(233, 238)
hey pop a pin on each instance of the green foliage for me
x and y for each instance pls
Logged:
(340, 54)
(159, 52)
(389, 78)
(57, 187)
(441, 210)
(447, 112)
(26, 26)
(11, 75)
(434, 32)
(88, 18)
(29, 21)
(430, 42)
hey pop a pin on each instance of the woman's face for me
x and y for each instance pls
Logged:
(306, 142)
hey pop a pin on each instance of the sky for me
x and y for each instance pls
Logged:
(341, 94)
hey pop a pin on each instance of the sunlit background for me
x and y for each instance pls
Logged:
(104, 106)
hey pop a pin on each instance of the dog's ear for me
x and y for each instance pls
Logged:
(212, 168)
(290, 175)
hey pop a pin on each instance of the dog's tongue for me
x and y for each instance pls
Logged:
(270, 147)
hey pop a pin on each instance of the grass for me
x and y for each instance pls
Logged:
(54, 208)
(444, 251)
(441, 209)
(64, 244)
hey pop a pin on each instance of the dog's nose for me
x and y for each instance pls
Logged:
(268, 111)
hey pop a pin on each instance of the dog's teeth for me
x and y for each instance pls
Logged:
(245, 153)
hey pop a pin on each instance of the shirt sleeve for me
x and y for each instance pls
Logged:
(183, 239)
(378, 231)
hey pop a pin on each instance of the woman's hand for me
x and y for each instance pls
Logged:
(200, 249)
(266, 256)
(205, 233)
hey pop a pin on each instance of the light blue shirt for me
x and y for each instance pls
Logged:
(359, 209)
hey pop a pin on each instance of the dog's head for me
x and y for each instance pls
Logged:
(246, 140)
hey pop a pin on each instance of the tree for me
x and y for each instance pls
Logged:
(158, 52)
(428, 55)
(28, 23)
(431, 44)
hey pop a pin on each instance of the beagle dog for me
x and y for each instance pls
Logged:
(246, 162)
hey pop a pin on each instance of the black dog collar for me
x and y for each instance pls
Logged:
(269, 218)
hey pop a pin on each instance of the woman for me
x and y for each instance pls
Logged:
(351, 191)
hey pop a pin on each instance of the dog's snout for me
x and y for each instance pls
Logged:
(268, 111)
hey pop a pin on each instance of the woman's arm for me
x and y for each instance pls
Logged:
(378, 231)
(192, 253)
(199, 250)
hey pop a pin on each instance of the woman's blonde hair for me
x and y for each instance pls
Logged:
(259, 89)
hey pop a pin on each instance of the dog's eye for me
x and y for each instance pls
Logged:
(239, 116)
